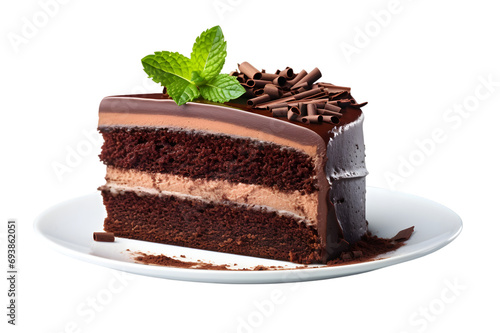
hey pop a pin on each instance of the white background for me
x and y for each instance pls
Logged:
(417, 66)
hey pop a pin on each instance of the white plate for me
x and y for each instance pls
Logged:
(69, 226)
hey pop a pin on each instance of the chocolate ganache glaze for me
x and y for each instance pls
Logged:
(338, 150)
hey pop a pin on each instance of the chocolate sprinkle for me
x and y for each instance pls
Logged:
(104, 236)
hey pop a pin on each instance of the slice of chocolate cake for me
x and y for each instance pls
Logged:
(235, 179)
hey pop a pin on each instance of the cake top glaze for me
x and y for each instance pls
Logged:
(135, 104)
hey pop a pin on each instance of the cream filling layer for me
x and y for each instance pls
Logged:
(303, 206)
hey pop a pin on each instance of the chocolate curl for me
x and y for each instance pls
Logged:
(301, 89)
(104, 236)
(320, 105)
(287, 73)
(292, 115)
(287, 94)
(268, 76)
(233, 73)
(272, 91)
(280, 100)
(258, 92)
(334, 88)
(332, 92)
(298, 77)
(303, 109)
(295, 109)
(277, 105)
(339, 95)
(248, 91)
(331, 119)
(318, 96)
(279, 81)
(311, 110)
(314, 100)
(360, 105)
(329, 113)
(257, 83)
(241, 78)
(280, 112)
(258, 100)
(312, 119)
(345, 102)
(302, 85)
(332, 107)
(310, 78)
(250, 71)
(307, 93)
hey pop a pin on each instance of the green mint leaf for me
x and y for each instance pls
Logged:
(163, 66)
(222, 88)
(172, 70)
(209, 53)
(197, 79)
(182, 91)
(185, 79)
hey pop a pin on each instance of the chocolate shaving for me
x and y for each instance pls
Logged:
(311, 110)
(334, 88)
(307, 93)
(241, 78)
(295, 109)
(298, 77)
(403, 235)
(250, 71)
(329, 113)
(257, 83)
(272, 91)
(268, 76)
(277, 105)
(280, 112)
(300, 85)
(287, 73)
(310, 78)
(258, 100)
(258, 92)
(312, 119)
(303, 109)
(292, 115)
(280, 81)
(333, 108)
(331, 119)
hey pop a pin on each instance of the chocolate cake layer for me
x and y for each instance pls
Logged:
(208, 156)
(216, 227)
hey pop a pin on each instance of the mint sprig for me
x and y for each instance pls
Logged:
(187, 78)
